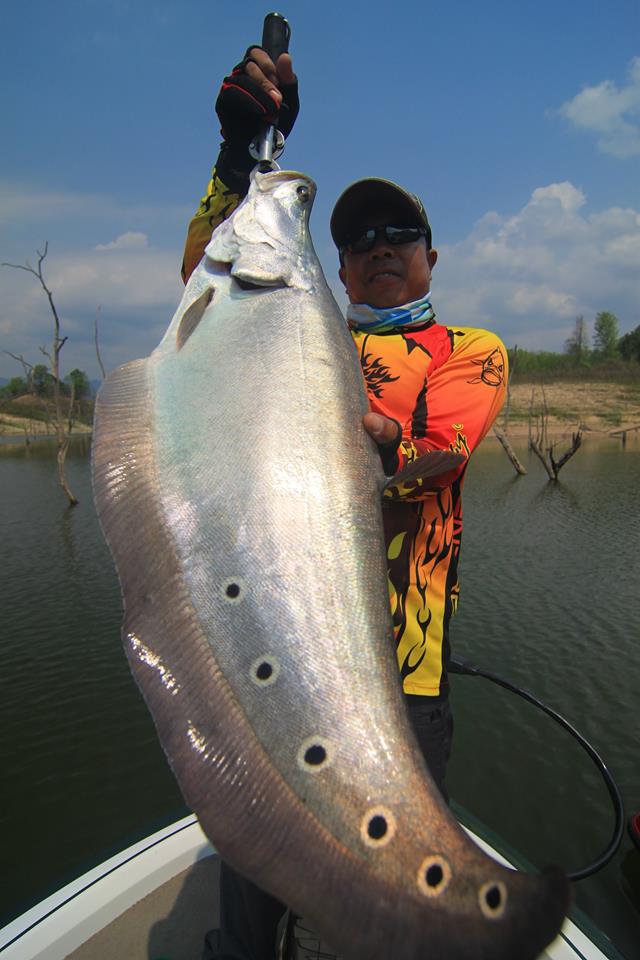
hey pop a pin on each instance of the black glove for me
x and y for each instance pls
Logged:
(243, 106)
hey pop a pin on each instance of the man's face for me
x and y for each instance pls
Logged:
(388, 275)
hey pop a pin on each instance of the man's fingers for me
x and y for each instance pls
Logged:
(264, 62)
(382, 429)
(257, 73)
(284, 68)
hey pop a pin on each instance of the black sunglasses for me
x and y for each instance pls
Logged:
(393, 235)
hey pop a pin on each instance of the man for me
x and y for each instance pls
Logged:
(430, 387)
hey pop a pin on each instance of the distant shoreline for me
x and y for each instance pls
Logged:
(599, 408)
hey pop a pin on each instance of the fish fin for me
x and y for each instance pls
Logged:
(427, 470)
(192, 317)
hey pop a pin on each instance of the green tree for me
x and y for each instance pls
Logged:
(577, 345)
(605, 335)
(629, 345)
(17, 386)
(41, 379)
(80, 381)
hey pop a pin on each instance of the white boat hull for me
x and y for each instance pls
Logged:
(84, 909)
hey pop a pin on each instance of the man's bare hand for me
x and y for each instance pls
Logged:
(382, 429)
(387, 433)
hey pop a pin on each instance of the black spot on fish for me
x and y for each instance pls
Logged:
(434, 875)
(264, 670)
(377, 827)
(315, 755)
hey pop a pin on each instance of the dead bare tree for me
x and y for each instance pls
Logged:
(501, 432)
(623, 433)
(95, 337)
(27, 368)
(508, 449)
(62, 424)
(540, 445)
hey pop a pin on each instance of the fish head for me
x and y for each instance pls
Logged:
(267, 240)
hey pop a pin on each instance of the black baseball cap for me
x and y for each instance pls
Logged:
(361, 199)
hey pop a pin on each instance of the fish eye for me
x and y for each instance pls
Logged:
(303, 194)
(434, 875)
(493, 899)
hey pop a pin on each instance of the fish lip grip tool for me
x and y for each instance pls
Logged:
(269, 143)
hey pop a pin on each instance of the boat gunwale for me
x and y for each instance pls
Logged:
(191, 845)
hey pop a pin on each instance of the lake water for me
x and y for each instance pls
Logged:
(549, 577)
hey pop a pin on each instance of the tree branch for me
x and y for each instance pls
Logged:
(63, 430)
(95, 333)
(510, 452)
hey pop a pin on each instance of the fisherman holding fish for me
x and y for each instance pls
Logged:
(431, 387)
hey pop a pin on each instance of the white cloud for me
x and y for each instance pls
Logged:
(126, 241)
(103, 252)
(136, 287)
(528, 275)
(525, 274)
(612, 114)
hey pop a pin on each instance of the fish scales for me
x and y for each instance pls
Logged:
(240, 496)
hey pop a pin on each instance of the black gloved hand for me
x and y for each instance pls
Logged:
(256, 92)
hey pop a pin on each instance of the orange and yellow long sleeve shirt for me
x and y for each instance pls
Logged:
(445, 386)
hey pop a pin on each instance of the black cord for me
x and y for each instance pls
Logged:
(460, 665)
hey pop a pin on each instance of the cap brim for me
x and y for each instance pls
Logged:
(364, 197)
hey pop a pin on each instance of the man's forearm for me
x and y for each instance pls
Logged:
(216, 205)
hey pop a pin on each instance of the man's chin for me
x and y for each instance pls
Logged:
(385, 303)
(386, 295)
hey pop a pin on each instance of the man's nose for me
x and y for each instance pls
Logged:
(381, 248)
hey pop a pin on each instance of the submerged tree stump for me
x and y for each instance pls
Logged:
(508, 449)
(501, 433)
(546, 457)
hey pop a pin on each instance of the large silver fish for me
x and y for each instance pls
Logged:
(240, 496)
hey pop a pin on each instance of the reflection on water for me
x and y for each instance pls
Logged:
(549, 578)
(82, 770)
(549, 600)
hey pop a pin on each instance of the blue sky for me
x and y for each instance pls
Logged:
(518, 124)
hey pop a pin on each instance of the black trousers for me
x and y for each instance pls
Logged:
(249, 917)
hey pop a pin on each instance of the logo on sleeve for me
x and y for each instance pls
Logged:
(376, 373)
(492, 372)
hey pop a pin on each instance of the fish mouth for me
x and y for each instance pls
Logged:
(254, 283)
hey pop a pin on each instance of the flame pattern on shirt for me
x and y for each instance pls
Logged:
(432, 387)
